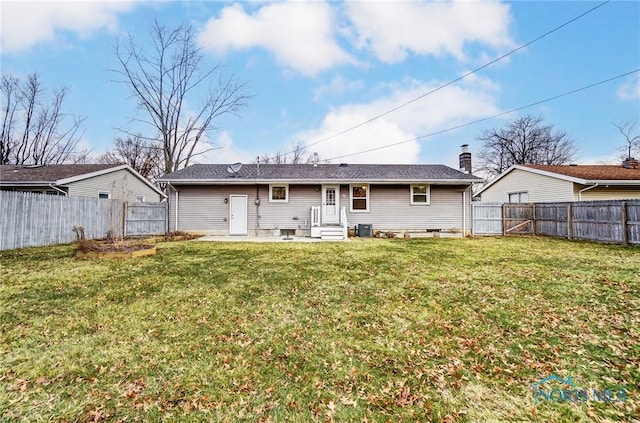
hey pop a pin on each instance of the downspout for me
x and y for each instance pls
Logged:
(57, 189)
(464, 211)
(585, 189)
(176, 191)
(257, 200)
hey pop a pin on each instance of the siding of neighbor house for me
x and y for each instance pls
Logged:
(202, 208)
(611, 193)
(540, 188)
(122, 184)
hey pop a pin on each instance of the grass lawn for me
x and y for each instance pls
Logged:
(451, 330)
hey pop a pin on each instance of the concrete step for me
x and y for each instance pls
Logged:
(332, 234)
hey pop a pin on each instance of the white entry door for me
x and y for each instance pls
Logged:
(238, 215)
(331, 204)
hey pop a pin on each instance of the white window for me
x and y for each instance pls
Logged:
(279, 193)
(420, 195)
(519, 197)
(104, 194)
(359, 198)
(139, 198)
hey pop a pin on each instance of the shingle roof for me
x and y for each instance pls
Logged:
(51, 173)
(323, 172)
(592, 172)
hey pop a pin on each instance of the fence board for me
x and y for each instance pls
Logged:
(603, 221)
(487, 218)
(146, 219)
(33, 219)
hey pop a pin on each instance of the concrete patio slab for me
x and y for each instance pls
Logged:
(230, 238)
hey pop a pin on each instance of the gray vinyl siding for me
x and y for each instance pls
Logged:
(122, 184)
(202, 208)
(390, 208)
(540, 188)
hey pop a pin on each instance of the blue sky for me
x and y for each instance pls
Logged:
(317, 68)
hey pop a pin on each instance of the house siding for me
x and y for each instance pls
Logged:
(122, 184)
(540, 188)
(604, 193)
(390, 209)
(202, 208)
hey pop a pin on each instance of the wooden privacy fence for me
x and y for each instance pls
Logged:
(605, 221)
(145, 219)
(33, 219)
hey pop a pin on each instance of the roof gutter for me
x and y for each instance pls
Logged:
(586, 189)
(57, 189)
(239, 181)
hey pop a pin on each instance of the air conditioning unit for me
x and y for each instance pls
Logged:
(364, 230)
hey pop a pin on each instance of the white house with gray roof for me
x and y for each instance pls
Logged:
(321, 200)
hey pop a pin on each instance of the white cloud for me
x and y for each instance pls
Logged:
(473, 99)
(299, 34)
(336, 87)
(392, 30)
(630, 89)
(27, 23)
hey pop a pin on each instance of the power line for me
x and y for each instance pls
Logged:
(366, 122)
(555, 97)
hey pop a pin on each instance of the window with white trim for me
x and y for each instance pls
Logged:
(420, 195)
(104, 194)
(519, 197)
(279, 193)
(359, 198)
(139, 198)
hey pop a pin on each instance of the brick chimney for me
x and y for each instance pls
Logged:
(465, 159)
(629, 163)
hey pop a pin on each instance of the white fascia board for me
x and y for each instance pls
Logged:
(319, 181)
(625, 182)
(26, 184)
(552, 174)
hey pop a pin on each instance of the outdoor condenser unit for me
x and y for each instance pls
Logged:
(364, 230)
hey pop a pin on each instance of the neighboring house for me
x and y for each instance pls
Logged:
(548, 183)
(119, 182)
(321, 200)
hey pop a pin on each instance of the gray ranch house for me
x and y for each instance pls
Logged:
(319, 200)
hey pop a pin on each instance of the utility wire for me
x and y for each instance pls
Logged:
(366, 122)
(555, 97)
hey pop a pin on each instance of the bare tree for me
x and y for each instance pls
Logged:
(167, 75)
(525, 140)
(297, 155)
(141, 154)
(632, 138)
(35, 130)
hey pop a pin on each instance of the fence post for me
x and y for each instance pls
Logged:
(569, 221)
(504, 219)
(623, 212)
(533, 217)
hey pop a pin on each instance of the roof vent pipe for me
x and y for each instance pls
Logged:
(465, 159)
